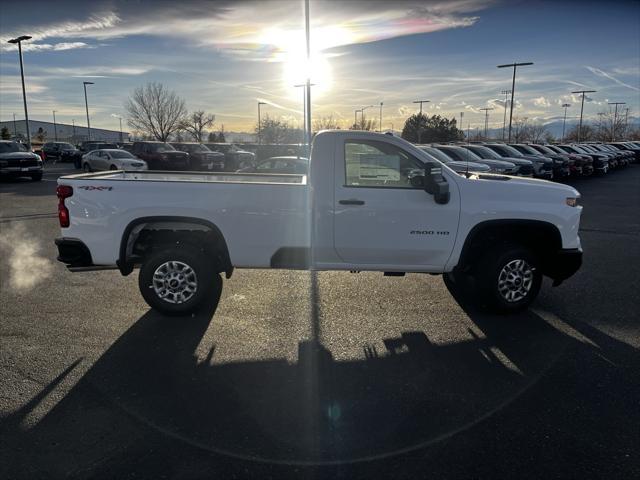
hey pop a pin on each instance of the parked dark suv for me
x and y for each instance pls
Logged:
(17, 161)
(201, 157)
(235, 157)
(161, 156)
(59, 151)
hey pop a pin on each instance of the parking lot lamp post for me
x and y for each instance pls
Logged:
(582, 92)
(260, 123)
(626, 120)
(120, 119)
(86, 105)
(15, 128)
(419, 127)
(564, 122)
(73, 126)
(55, 127)
(362, 113)
(506, 94)
(486, 120)
(615, 120)
(513, 88)
(19, 41)
(381, 117)
(461, 115)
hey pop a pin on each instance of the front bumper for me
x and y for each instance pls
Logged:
(17, 171)
(73, 252)
(563, 264)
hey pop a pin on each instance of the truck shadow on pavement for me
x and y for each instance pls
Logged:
(149, 403)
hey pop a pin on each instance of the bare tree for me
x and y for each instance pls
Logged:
(364, 124)
(326, 123)
(274, 131)
(588, 133)
(520, 129)
(536, 133)
(155, 110)
(197, 123)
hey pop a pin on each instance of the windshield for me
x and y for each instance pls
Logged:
(434, 152)
(506, 151)
(161, 147)
(483, 152)
(529, 150)
(543, 149)
(193, 148)
(66, 146)
(8, 147)
(120, 154)
(460, 154)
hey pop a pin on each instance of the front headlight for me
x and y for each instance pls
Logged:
(572, 201)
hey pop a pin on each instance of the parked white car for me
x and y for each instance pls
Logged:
(111, 159)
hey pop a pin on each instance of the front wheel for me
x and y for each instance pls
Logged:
(178, 281)
(87, 167)
(36, 177)
(508, 278)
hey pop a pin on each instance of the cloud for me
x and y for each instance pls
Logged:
(602, 73)
(11, 85)
(541, 102)
(256, 29)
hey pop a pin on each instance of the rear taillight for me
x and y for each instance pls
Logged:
(63, 191)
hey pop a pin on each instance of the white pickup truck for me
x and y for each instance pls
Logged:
(370, 202)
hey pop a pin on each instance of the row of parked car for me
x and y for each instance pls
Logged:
(550, 162)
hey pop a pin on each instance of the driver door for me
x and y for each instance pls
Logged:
(380, 218)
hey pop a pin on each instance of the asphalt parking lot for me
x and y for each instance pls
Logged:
(328, 375)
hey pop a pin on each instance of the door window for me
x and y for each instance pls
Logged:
(372, 163)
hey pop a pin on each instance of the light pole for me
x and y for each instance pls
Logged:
(86, 105)
(19, 41)
(15, 128)
(55, 127)
(260, 123)
(421, 102)
(564, 122)
(486, 120)
(626, 121)
(419, 126)
(582, 110)
(119, 117)
(506, 94)
(513, 87)
(461, 115)
(615, 119)
(381, 117)
(362, 113)
(304, 108)
(600, 136)
(73, 125)
(307, 29)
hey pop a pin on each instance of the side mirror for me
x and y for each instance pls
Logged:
(436, 184)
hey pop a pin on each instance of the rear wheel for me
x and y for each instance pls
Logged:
(86, 167)
(113, 167)
(179, 281)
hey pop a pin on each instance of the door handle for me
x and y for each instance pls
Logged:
(351, 201)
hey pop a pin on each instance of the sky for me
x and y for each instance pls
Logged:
(226, 56)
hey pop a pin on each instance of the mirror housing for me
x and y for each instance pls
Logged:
(436, 184)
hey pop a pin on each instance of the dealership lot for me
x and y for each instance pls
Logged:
(349, 375)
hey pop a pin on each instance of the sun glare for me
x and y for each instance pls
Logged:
(291, 52)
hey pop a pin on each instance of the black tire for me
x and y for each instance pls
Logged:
(36, 177)
(205, 294)
(522, 283)
(113, 167)
(86, 167)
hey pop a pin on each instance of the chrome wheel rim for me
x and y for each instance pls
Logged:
(515, 280)
(175, 282)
